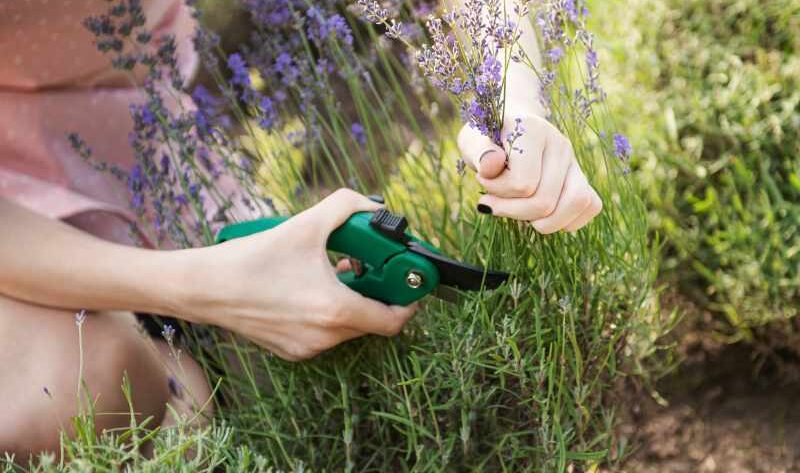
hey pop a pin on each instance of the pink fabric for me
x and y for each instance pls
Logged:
(53, 81)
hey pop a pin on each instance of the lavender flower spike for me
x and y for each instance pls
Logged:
(622, 147)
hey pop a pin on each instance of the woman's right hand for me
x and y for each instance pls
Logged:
(279, 289)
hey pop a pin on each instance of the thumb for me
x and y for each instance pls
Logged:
(481, 153)
(331, 212)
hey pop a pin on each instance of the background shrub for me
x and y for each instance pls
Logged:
(710, 92)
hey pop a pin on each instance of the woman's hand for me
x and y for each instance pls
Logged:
(537, 180)
(279, 289)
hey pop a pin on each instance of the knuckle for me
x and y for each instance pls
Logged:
(343, 193)
(332, 316)
(560, 141)
(545, 205)
(524, 188)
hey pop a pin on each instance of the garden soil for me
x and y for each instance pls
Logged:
(729, 408)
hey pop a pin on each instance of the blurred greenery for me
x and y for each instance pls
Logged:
(710, 93)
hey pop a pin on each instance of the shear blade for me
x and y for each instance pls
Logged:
(460, 275)
(448, 294)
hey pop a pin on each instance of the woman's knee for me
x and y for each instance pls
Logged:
(41, 364)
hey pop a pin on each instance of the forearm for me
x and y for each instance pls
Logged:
(49, 263)
(522, 82)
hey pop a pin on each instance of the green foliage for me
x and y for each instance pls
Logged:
(711, 90)
(184, 449)
(516, 380)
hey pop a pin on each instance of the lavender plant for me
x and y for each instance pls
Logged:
(516, 379)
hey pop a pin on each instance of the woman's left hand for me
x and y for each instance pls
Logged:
(538, 180)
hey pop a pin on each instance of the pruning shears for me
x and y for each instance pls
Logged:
(389, 264)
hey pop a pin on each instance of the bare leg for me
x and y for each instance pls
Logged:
(39, 349)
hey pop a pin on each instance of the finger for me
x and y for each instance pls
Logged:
(481, 153)
(343, 265)
(575, 198)
(370, 316)
(542, 204)
(590, 213)
(523, 173)
(310, 343)
(557, 161)
(331, 212)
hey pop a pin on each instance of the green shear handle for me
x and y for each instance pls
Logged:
(390, 273)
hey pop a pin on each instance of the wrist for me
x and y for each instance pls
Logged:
(181, 285)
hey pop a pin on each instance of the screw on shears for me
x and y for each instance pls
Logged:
(414, 280)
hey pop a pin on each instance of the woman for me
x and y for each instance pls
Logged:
(65, 242)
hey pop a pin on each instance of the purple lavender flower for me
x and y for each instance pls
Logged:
(286, 68)
(571, 9)
(209, 111)
(555, 54)
(323, 27)
(175, 387)
(514, 135)
(591, 59)
(136, 188)
(372, 11)
(622, 147)
(357, 131)
(489, 76)
(268, 115)
(238, 67)
(168, 332)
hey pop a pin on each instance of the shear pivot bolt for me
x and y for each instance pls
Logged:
(414, 280)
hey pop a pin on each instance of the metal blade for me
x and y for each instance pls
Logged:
(460, 275)
(448, 294)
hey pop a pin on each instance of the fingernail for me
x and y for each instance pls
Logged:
(484, 209)
(377, 198)
(488, 151)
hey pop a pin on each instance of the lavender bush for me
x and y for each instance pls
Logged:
(517, 379)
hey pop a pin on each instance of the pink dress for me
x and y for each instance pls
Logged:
(53, 81)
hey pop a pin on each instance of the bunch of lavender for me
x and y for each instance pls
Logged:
(467, 50)
(462, 55)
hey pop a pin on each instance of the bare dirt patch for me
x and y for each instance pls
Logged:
(729, 408)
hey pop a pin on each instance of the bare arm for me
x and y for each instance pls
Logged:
(277, 287)
(47, 262)
(522, 84)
